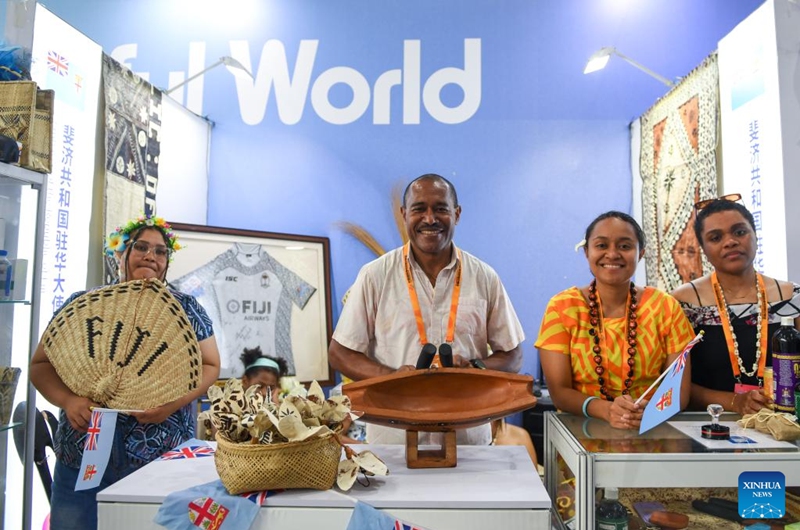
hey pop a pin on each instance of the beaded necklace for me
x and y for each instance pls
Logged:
(730, 335)
(597, 333)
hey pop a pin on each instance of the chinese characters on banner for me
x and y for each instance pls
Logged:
(755, 191)
(61, 242)
(69, 63)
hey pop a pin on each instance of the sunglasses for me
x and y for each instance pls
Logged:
(144, 248)
(732, 197)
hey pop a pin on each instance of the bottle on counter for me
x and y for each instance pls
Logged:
(6, 276)
(785, 364)
(610, 513)
(769, 386)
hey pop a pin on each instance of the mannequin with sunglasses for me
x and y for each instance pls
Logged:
(143, 248)
(738, 308)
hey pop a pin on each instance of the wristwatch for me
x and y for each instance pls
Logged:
(477, 363)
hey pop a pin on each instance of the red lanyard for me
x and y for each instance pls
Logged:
(412, 293)
(727, 328)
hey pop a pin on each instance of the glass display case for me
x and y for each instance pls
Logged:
(668, 456)
(22, 196)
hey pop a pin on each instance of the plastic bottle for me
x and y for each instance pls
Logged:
(769, 383)
(785, 364)
(611, 514)
(6, 275)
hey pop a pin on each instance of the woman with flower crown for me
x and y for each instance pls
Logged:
(738, 308)
(602, 345)
(143, 248)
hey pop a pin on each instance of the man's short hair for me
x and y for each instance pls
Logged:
(432, 176)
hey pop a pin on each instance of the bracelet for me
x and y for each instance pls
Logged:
(585, 407)
(733, 402)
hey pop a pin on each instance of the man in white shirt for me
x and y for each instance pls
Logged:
(428, 291)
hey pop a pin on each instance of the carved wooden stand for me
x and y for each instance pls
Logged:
(445, 456)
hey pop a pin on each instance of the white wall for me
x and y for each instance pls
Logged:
(182, 194)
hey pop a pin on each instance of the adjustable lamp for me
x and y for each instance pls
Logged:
(599, 59)
(233, 66)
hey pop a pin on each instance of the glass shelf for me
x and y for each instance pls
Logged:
(9, 426)
(23, 199)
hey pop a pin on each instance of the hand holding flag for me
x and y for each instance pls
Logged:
(666, 402)
(97, 448)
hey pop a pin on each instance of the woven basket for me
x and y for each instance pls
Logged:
(8, 386)
(245, 467)
(26, 114)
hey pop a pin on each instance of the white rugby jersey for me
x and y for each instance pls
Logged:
(249, 297)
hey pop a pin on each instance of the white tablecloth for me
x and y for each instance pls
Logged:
(492, 487)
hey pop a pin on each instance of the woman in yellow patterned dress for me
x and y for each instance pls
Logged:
(602, 345)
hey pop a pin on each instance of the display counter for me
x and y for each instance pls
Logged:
(664, 457)
(491, 487)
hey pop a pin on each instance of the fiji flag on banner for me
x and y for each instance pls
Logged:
(67, 78)
(97, 448)
(666, 402)
(206, 507)
(365, 517)
(57, 63)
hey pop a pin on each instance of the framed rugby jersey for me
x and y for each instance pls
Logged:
(260, 289)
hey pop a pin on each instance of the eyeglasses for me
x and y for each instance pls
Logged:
(159, 251)
(732, 197)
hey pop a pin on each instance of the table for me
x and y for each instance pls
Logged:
(600, 456)
(492, 487)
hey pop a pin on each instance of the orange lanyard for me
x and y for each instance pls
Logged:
(727, 328)
(412, 293)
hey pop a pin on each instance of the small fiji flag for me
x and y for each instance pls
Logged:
(93, 432)
(192, 448)
(57, 63)
(208, 506)
(206, 513)
(666, 402)
(366, 517)
(257, 497)
(96, 448)
(188, 452)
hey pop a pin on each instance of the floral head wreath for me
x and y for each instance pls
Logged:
(117, 241)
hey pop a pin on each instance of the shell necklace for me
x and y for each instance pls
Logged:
(730, 336)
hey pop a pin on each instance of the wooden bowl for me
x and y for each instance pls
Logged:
(442, 399)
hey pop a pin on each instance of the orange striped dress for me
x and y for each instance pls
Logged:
(662, 330)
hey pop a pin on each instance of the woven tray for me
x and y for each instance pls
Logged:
(245, 467)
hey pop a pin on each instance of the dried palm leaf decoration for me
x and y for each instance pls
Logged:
(367, 239)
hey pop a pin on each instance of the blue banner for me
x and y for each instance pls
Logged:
(208, 507)
(365, 517)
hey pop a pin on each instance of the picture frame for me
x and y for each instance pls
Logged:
(263, 289)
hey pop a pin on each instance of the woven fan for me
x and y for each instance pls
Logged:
(125, 346)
